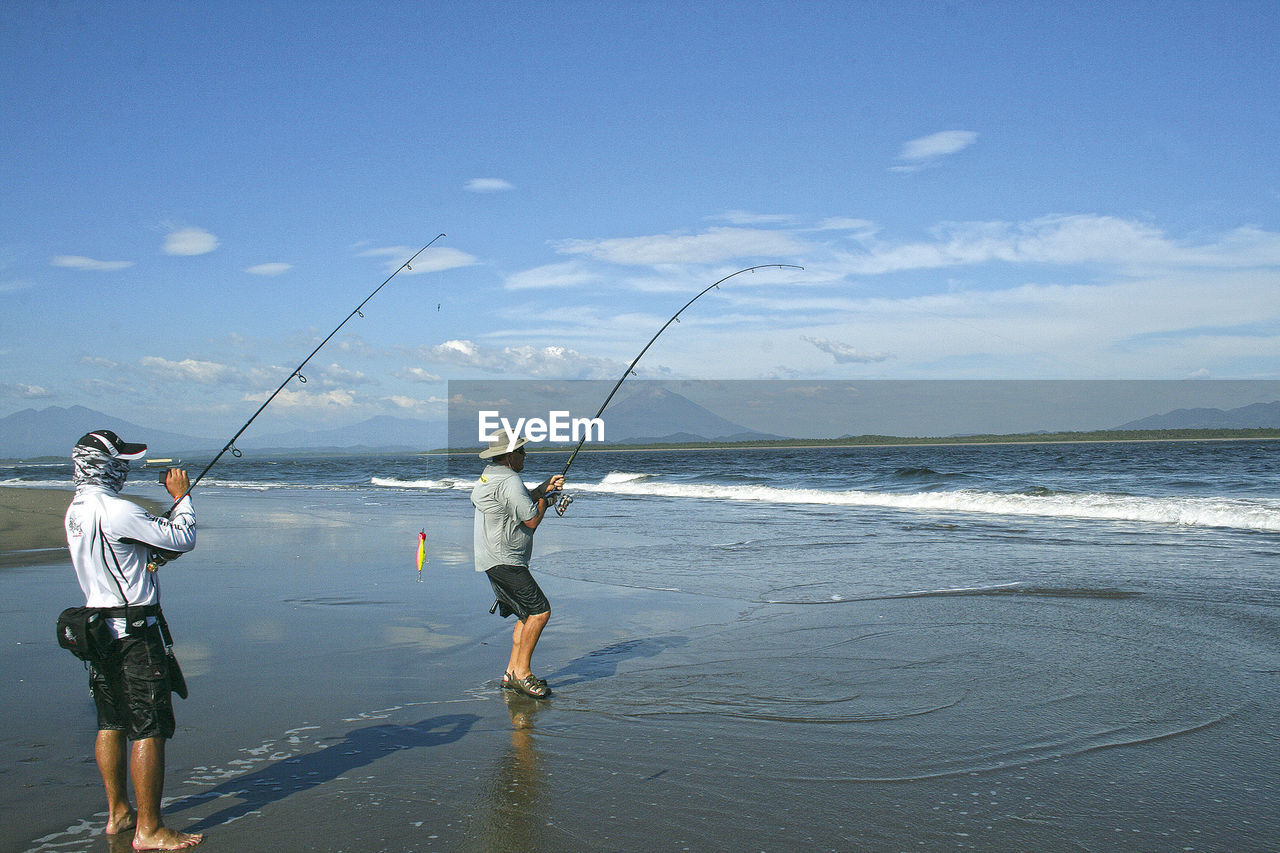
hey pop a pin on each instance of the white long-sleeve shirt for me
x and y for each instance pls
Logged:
(109, 538)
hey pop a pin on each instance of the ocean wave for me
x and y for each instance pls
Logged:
(1019, 588)
(447, 483)
(252, 486)
(64, 483)
(620, 477)
(1187, 511)
(1013, 588)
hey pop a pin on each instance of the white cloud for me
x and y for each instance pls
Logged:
(1062, 240)
(1064, 295)
(712, 246)
(402, 402)
(328, 401)
(844, 223)
(746, 217)
(488, 185)
(335, 374)
(190, 241)
(432, 260)
(570, 274)
(418, 374)
(25, 392)
(1129, 328)
(187, 370)
(918, 153)
(844, 353)
(554, 361)
(269, 269)
(76, 262)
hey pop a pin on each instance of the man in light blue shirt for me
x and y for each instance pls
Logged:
(507, 514)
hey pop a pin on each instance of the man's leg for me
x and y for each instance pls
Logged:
(110, 752)
(524, 638)
(146, 766)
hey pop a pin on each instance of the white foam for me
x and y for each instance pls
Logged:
(1191, 511)
(620, 477)
(452, 483)
(37, 484)
(1256, 514)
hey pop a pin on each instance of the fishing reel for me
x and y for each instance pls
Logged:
(157, 557)
(562, 505)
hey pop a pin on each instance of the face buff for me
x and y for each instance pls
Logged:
(95, 468)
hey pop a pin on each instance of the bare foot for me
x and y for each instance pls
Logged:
(124, 822)
(166, 839)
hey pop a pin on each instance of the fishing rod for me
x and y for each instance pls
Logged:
(564, 502)
(297, 371)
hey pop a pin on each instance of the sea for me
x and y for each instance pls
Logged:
(842, 516)
(1039, 646)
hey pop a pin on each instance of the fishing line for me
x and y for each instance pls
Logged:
(563, 505)
(297, 371)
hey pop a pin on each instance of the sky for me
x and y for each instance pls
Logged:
(195, 195)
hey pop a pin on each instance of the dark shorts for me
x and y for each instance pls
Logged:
(517, 592)
(131, 688)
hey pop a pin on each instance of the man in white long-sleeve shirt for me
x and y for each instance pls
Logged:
(110, 539)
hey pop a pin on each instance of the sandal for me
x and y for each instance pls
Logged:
(531, 685)
(509, 681)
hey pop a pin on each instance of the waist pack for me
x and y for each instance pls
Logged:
(84, 632)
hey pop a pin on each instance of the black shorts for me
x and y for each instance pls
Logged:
(517, 592)
(131, 688)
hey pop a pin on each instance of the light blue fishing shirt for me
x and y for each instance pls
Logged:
(503, 504)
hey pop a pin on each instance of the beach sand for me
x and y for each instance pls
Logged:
(31, 530)
(340, 703)
(31, 525)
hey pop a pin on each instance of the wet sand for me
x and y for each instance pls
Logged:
(31, 524)
(340, 703)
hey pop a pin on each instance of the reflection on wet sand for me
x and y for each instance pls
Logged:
(512, 815)
(120, 843)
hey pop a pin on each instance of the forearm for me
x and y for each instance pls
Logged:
(541, 503)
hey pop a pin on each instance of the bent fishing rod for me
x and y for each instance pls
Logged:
(675, 318)
(297, 371)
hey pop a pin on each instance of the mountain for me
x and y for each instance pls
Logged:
(383, 432)
(55, 430)
(1255, 416)
(646, 415)
(655, 414)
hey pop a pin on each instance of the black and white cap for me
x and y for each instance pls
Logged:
(109, 443)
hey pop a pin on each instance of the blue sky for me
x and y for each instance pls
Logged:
(195, 194)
